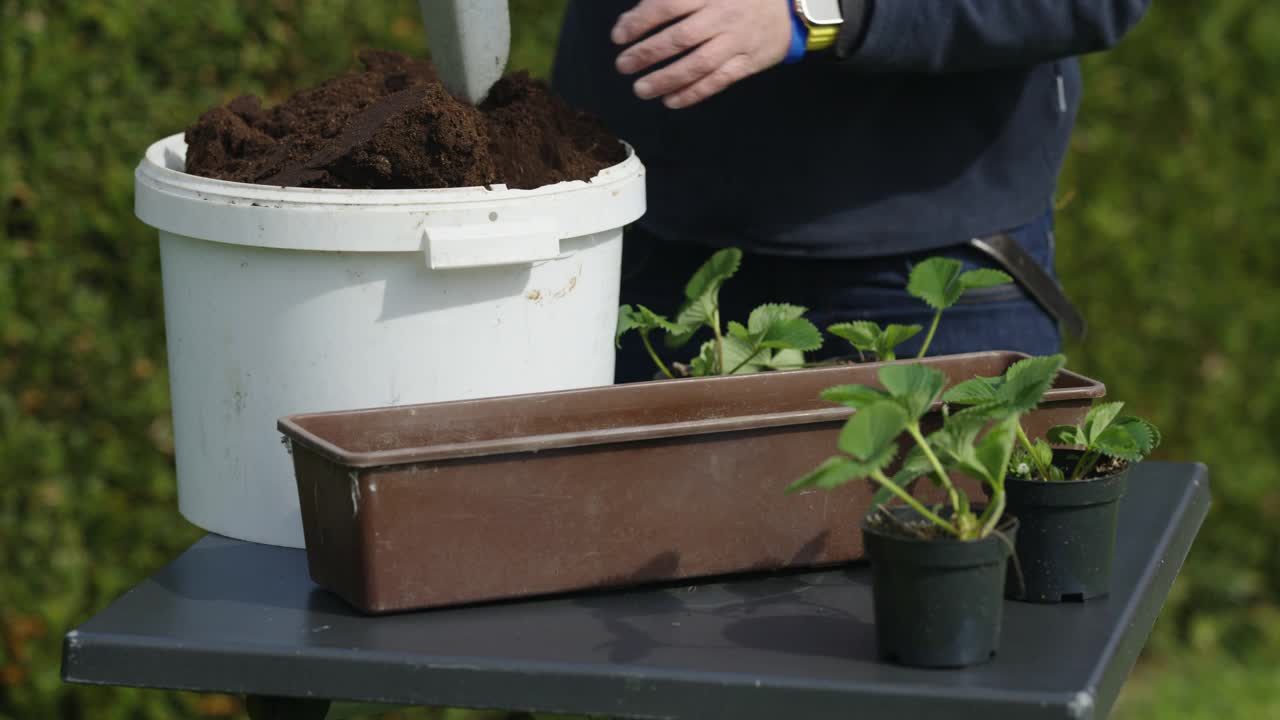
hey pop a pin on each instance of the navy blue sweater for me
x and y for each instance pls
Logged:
(939, 120)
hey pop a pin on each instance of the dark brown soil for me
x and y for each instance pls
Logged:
(1106, 467)
(918, 528)
(915, 528)
(395, 126)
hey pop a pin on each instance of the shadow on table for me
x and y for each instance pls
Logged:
(214, 572)
(776, 615)
(830, 636)
(765, 609)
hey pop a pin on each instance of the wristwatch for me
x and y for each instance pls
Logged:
(822, 19)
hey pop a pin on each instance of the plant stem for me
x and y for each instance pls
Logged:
(644, 337)
(1075, 471)
(1026, 443)
(952, 495)
(715, 328)
(915, 504)
(928, 339)
(1082, 466)
(742, 364)
(991, 516)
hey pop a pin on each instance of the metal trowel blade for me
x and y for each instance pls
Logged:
(470, 43)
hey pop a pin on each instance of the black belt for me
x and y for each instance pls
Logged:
(1034, 279)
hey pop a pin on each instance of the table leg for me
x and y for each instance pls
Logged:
(281, 708)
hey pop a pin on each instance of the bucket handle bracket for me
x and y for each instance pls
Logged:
(492, 244)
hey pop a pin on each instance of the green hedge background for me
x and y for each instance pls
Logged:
(1167, 235)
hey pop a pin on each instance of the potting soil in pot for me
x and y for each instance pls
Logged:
(395, 126)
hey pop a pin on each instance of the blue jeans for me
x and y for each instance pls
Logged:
(999, 318)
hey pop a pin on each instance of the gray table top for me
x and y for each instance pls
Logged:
(228, 616)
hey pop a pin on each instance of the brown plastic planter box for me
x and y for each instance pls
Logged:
(430, 505)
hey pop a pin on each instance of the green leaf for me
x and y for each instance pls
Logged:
(1064, 435)
(984, 278)
(914, 386)
(1041, 452)
(679, 339)
(915, 463)
(769, 314)
(862, 334)
(986, 411)
(893, 336)
(936, 281)
(959, 432)
(1117, 442)
(1098, 420)
(1020, 464)
(975, 391)
(1147, 428)
(867, 336)
(693, 315)
(702, 295)
(871, 430)
(1129, 438)
(955, 445)
(880, 460)
(772, 327)
(1144, 434)
(793, 334)
(1156, 437)
(1026, 382)
(705, 363)
(713, 273)
(1018, 391)
(995, 448)
(738, 353)
(627, 321)
(855, 396)
(914, 466)
(660, 320)
(784, 360)
(833, 472)
(642, 319)
(836, 471)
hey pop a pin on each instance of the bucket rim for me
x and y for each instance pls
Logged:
(156, 171)
(453, 227)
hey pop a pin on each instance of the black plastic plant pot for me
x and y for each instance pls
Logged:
(938, 603)
(1067, 534)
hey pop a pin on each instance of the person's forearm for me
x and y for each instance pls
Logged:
(936, 36)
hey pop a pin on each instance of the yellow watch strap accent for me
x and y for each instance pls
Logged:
(822, 37)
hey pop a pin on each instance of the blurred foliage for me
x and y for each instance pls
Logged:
(87, 496)
(1163, 239)
(1166, 241)
(1191, 686)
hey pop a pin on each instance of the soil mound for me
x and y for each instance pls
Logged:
(395, 126)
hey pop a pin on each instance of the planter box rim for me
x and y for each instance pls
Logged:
(297, 428)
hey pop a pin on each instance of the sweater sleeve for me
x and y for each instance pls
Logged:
(938, 36)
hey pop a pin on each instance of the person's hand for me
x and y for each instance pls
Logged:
(729, 40)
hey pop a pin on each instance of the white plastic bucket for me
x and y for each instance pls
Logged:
(291, 300)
